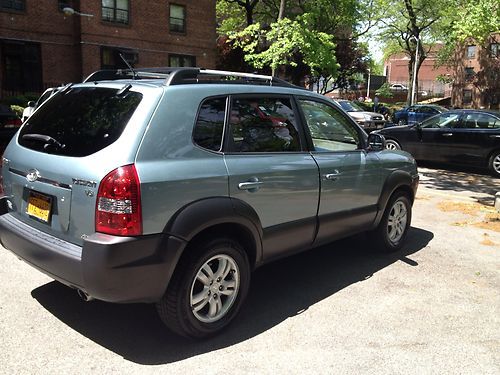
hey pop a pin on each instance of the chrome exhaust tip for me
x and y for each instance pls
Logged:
(84, 295)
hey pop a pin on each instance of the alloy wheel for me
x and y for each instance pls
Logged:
(214, 288)
(396, 222)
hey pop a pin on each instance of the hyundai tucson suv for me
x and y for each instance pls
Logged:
(170, 186)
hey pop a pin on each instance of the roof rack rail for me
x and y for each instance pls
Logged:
(179, 76)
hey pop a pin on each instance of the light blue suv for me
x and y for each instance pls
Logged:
(170, 186)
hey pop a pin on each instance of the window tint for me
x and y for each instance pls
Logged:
(263, 125)
(210, 124)
(481, 121)
(82, 120)
(330, 131)
(444, 120)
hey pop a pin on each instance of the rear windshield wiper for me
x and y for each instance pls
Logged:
(47, 139)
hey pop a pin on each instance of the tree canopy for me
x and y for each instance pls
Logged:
(314, 38)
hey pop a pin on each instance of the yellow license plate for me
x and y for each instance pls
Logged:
(39, 206)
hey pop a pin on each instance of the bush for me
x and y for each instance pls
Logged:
(17, 109)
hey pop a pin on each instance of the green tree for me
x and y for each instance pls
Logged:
(410, 24)
(284, 39)
(315, 38)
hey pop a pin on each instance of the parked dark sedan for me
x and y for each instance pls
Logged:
(416, 113)
(464, 137)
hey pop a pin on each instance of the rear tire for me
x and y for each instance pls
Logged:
(391, 232)
(494, 164)
(207, 289)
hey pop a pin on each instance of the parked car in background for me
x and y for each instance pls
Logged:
(398, 87)
(9, 124)
(163, 187)
(463, 137)
(28, 111)
(416, 113)
(367, 120)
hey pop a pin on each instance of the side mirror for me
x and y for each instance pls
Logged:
(31, 103)
(376, 142)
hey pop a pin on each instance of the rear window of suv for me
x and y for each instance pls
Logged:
(80, 121)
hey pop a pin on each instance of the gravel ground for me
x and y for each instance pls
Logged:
(342, 309)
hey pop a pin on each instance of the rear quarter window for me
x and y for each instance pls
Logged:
(210, 124)
(82, 120)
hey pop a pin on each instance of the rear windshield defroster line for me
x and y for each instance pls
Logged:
(84, 119)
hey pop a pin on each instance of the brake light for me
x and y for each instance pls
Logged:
(118, 207)
(13, 123)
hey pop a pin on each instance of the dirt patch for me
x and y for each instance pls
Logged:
(487, 241)
(490, 218)
(472, 209)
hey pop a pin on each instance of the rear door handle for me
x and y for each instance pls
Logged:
(495, 136)
(332, 176)
(447, 134)
(251, 185)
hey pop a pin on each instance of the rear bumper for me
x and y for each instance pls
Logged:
(109, 268)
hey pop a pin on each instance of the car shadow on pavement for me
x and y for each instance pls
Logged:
(278, 291)
(481, 185)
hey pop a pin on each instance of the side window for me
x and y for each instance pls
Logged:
(445, 120)
(330, 131)
(481, 121)
(210, 124)
(263, 125)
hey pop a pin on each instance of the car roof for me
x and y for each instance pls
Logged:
(168, 76)
(489, 111)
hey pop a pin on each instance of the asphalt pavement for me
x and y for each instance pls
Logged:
(432, 308)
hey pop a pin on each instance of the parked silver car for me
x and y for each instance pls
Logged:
(367, 120)
(170, 186)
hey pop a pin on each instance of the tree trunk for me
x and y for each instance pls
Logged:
(280, 17)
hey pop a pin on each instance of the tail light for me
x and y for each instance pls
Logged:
(13, 123)
(118, 207)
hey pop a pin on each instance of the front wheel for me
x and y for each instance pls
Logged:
(391, 144)
(207, 289)
(393, 227)
(495, 164)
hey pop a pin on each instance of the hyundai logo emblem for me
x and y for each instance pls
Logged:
(32, 175)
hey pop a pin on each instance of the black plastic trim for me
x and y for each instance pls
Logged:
(397, 179)
(203, 214)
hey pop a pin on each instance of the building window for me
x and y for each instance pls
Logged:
(19, 5)
(110, 58)
(115, 11)
(471, 52)
(61, 4)
(469, 73)
(494, 50)
(181, 60)
(177, 18)
(467, 97)
(22, 67)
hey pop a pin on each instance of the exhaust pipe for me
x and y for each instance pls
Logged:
(84, 295)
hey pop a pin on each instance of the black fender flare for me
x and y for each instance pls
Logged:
(206, 213)
(394, 181)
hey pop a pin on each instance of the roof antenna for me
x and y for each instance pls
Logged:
(134, 73)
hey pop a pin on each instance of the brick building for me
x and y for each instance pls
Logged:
(42, 46)
(476, 75)
(396, 71)
(473, 74)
